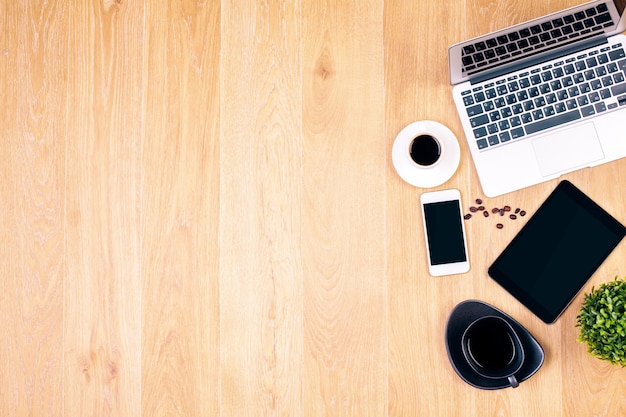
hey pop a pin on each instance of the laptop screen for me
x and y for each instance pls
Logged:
(515, 46)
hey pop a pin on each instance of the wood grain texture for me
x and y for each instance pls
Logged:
(200, 216)
(102, 300)
(179, 207)
(32, 220)
(343, 213)
(261, 278)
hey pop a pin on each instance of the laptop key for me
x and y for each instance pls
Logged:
(618, 89)
(591, 62)
(585, 88)
(578, 78)
(616, 54)
(479, 120)
(560, 107)
(517, 133)
(603, 18)
(490, 93)
(474, 110)
(588, 111)
(548, 123)
(480, 132)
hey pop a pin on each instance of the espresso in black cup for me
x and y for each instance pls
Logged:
(493, 349)
(425, 150)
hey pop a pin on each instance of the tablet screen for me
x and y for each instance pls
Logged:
(557, 251)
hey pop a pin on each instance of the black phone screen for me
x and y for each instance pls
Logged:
(444, 232)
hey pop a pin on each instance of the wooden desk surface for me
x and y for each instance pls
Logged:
(200, 216)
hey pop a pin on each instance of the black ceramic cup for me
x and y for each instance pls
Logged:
(493, 349)
(425, 150)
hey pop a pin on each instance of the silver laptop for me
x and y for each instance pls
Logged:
(545, 97)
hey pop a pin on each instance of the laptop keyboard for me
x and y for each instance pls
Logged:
(509, 47)
(546, 96)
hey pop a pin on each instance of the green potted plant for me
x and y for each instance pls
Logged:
(602, 322)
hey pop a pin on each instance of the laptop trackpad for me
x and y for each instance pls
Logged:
(567, 149)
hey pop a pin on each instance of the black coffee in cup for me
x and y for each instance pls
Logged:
(490, 345)
(425, 150)
(493, 349)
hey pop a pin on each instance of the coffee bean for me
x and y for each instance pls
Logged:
(496, 210)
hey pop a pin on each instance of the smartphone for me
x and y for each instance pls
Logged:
(444, 232)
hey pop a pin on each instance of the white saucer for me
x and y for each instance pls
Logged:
(426, 176)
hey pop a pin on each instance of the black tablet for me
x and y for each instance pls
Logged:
(557, 251)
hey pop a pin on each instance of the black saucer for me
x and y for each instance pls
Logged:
(461, 317)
